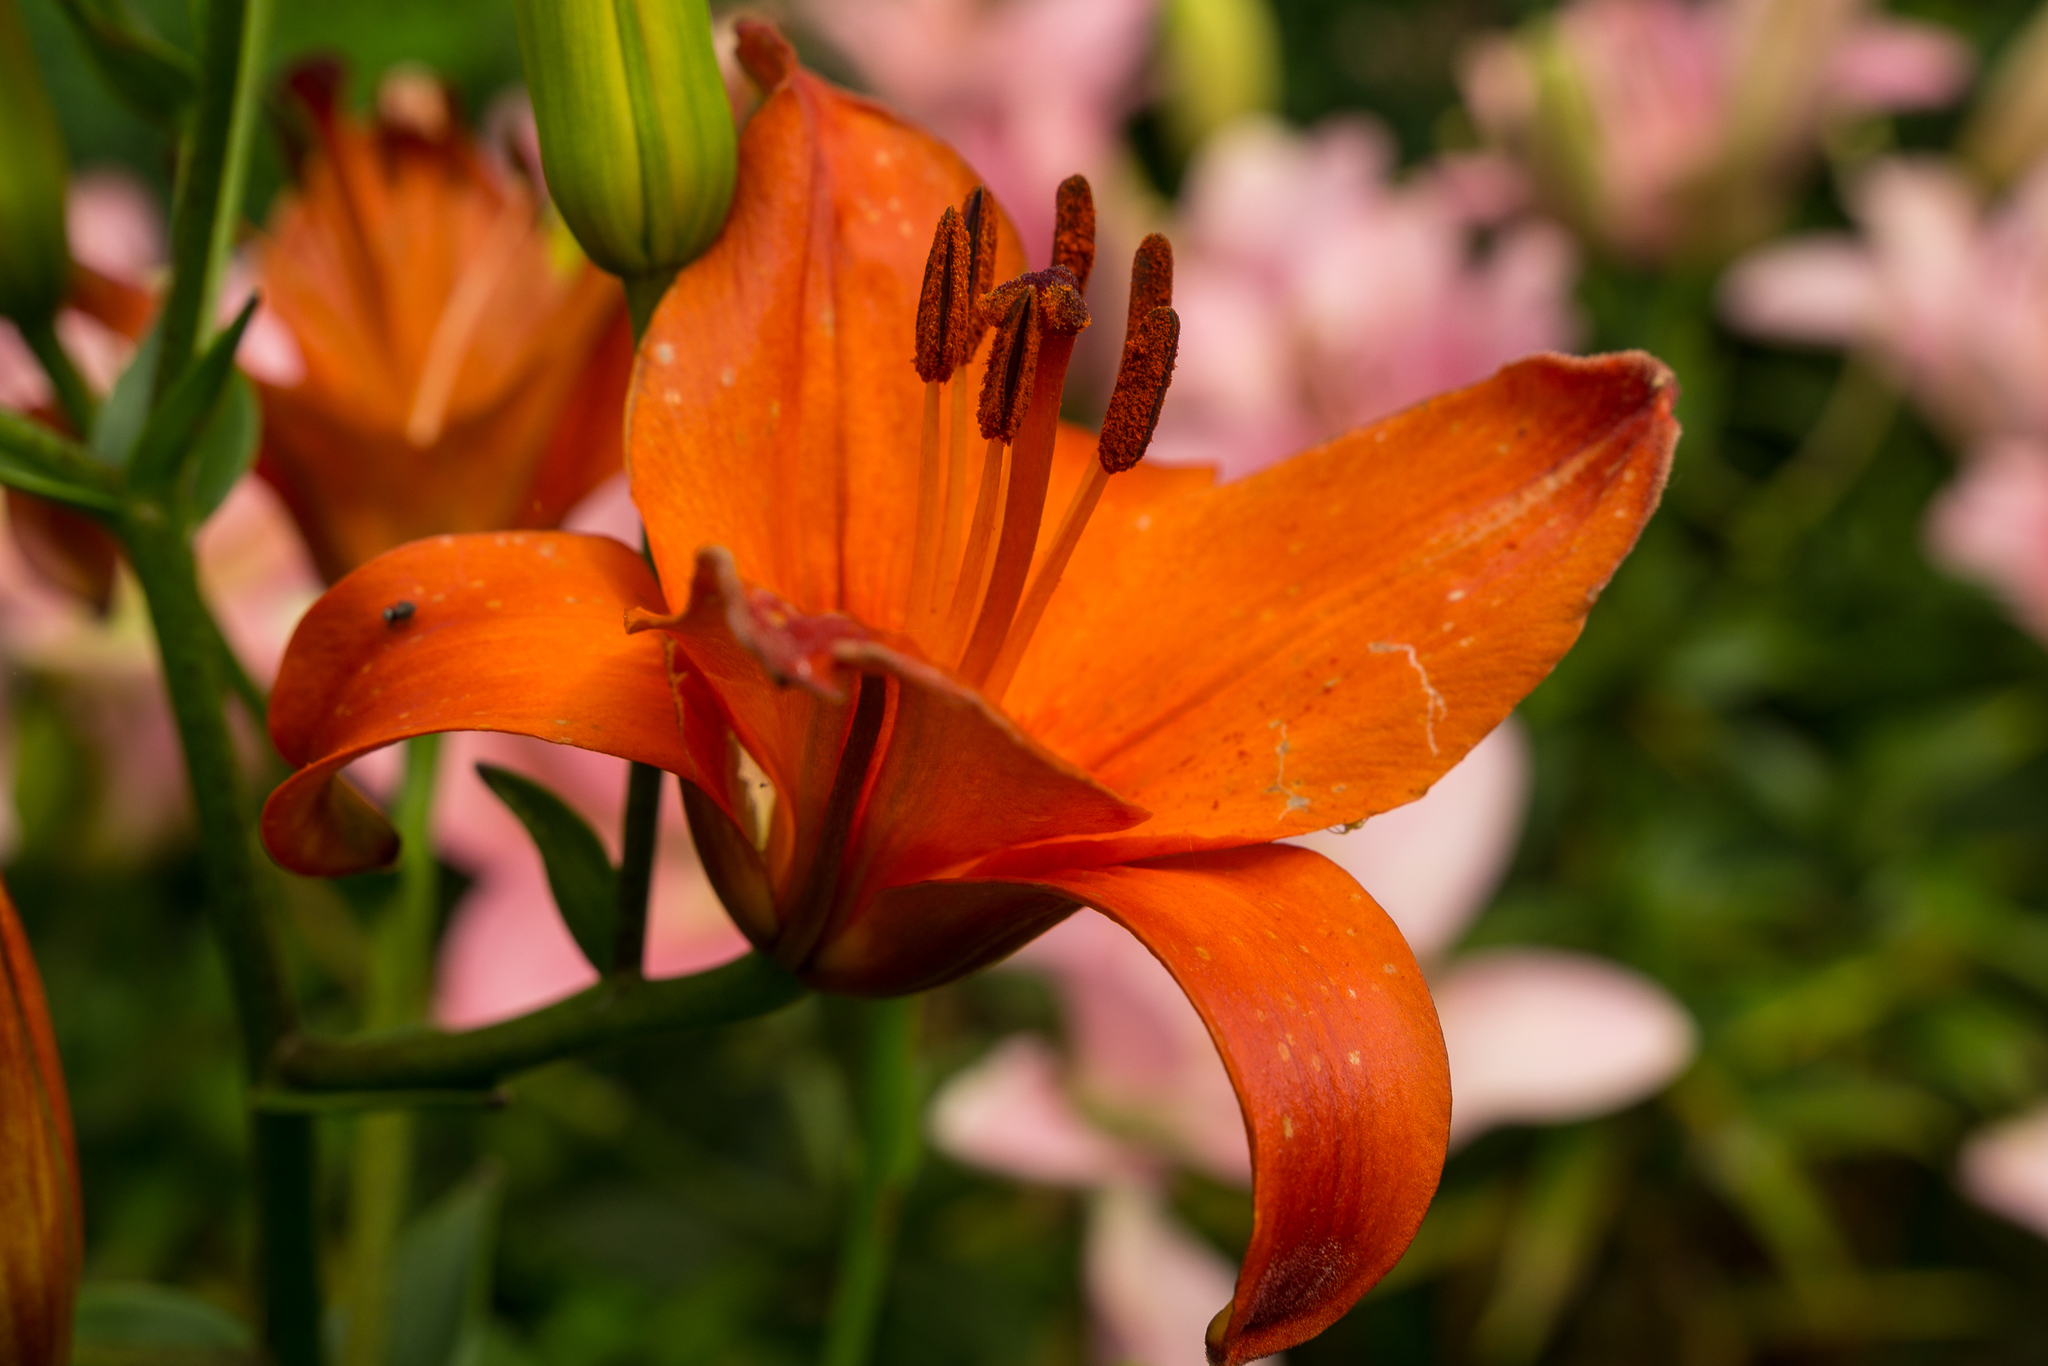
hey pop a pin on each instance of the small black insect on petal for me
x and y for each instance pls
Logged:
(398, 613)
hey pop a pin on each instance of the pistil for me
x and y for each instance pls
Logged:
(1053, 315)
(1150, 347)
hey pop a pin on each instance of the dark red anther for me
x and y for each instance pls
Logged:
(1151, 280)
(979, 216)
(1141, 380)
(1073, 231)
(945, 306)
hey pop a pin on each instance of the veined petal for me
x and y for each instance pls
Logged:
(1327, 1030)
(1321, 641)
(522, 632)
(776, 412)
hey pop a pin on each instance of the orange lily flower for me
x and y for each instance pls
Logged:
(465, 367)
(888, 794)
(41, 1237)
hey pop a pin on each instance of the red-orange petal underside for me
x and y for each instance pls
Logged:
(1327, 1030)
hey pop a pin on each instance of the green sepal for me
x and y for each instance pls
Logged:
(580, 874)
(170, 440)
(153, 77)
(441, 1277)
(226, 447)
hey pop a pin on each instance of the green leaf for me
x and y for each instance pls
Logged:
(441, 1277)
(226, 447)
(579, 873)
(170, 439)
(125, 411)
(37, 460)
(150, 75)
(133, 1324)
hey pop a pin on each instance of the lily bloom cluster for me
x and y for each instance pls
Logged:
(900, 765)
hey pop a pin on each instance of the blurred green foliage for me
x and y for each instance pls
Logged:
(1792, 771)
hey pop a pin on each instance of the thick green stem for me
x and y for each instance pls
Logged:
(213, 169)
(636, 867)
(238, 893)
(894, 1103)
(74, 397)
(380, 1162)
(615, 1010)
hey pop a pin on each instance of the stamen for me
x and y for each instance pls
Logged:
(1151, 281)
(978, 219)
(943, 309)
(1056, 312)
(1073, 233)
(1012, 362)
(1141, 381)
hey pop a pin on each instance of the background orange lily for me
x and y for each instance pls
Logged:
(42, 1239)
(1223, 666)
(464, 366)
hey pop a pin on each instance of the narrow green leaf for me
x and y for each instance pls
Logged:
(125, 411)
(170, 438)
(226, 447)
(579, 873)
(136, 1324)
(150, 75)
(441, 1277)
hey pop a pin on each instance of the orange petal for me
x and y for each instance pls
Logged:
(1327, 1031)
(1323, 640)
(41, 1237)
(955, 780)
(460, 373)
(776, 412)
(521, 632)
(67, 548)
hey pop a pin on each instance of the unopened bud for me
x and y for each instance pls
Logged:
(41, 1237)
(635, 132)
(34, 262)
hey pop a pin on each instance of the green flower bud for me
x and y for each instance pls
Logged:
(35, 265)
(635, 133)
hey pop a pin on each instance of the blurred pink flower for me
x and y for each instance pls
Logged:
(1991, 525)
(1534, 1035)
(1029, 91)
(1662, 127)
(1952, 298)
(1317, 293)
(2005, 1169)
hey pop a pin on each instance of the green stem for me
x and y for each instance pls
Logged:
(74, 397)
(213, 169)
(636, 867)
(894, 1104)
(238, 894)
(287, 1236)
(400, 969)
(616, 1009)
